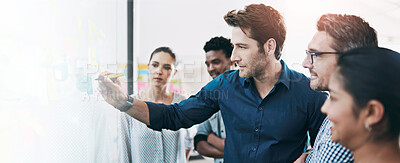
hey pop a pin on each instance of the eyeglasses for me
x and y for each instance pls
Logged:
(311, 55)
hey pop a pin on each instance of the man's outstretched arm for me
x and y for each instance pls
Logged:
(113, 94)
(188, 112)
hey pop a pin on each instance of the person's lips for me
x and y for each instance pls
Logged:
(332, 127)
(313, 75)
(241, 68)
(158, 79)
(214, 74)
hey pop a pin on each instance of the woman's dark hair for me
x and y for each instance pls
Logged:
(163, 49)
(373, 74)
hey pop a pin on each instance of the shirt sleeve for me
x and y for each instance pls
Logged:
(124, 145)
(196, 109)
(204, 128)
(316, 117)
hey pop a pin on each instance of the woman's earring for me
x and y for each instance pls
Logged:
(367, 127)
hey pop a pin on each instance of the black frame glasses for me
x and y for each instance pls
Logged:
(313, 54)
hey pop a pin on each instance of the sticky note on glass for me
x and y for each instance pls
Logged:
(111, 76)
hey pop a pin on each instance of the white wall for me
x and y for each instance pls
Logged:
(50, 53)
(51, 50)
(185, 26)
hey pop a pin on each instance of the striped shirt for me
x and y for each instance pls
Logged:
(140, 144)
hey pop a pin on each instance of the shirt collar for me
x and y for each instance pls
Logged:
(284, 78)
(244, 81)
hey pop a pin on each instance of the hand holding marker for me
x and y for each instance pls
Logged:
(111, 76)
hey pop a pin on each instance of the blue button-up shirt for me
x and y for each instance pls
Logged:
(273, 129)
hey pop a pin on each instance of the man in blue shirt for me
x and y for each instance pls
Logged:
(267, 108)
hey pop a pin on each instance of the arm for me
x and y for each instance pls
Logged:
(200, 140)
(194, 110)
(206, 149)
(113, 94)
(216, 141)
(187, 154)
(189, 135)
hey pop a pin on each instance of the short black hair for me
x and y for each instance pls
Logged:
(219, 43)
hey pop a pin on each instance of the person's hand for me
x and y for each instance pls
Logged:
(111, 90)
(302, 158)
(211, 137)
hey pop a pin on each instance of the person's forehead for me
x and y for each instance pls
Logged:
(240, 35)
(321, 41)
(162, 58)
(216, 54)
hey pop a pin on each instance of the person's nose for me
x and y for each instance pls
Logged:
(159, 70)
(307, 62)
(324, 108)
(211, 67)
(235, 56)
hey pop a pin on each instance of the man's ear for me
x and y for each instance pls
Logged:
(270, 47)
(374, 112)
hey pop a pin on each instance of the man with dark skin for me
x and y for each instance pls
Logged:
(210, 138)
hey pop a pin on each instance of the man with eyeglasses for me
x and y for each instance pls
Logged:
(336, 34)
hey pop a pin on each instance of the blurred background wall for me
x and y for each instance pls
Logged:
(51, 51)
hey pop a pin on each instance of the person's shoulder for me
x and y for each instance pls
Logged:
(230, 76)
(301, 83)
(298, 78)
(215, 116)
(178, 97)
(223, 80)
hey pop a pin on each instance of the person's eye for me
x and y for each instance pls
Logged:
(167, 67)
(333, 99)
(216, 62)
(154, 65)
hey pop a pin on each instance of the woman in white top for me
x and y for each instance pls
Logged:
(141, 144)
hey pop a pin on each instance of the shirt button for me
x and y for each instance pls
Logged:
(254, 149)
(260, 108)
(256, 130)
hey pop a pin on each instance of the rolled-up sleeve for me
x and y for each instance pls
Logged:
(196, 109)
